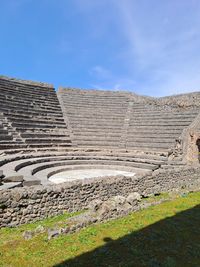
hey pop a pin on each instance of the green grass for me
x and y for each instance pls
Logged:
(165, 235)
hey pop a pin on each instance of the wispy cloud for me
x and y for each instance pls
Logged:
(107, 80)
(101, 72)
(159, 55)
(162, 49)
(149, 47)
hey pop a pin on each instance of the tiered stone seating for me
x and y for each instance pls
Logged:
(154, 128)
(35, 168)
(95, 117)
(33, 111)
(5, 137)
(122, 120)
(113, 130)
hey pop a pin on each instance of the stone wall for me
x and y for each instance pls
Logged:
(189, 140)
(23, 205)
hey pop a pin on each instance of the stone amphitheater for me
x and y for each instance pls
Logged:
(61, 150)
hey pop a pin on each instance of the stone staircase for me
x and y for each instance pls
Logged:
(126, 125)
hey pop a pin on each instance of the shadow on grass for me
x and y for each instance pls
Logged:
(171, 242)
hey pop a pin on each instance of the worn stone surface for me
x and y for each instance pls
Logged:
(22, 205)
(27, 235)
(52, 233)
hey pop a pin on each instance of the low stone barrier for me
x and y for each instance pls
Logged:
(28, 204)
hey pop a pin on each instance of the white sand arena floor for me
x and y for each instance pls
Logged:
(72, 175)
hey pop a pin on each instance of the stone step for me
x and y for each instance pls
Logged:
(31, 112)
(18, 86)
(95, 134)
(156, 128)
(96, 138)
(97, 124)
(151, 113)
(32, 91)
(162, 115)
(32, 125)
(147, 149)
(9, 145)
(24, 105)
(95, 99)
(96, 119)
(164, 135)
(158, 124)
(27, 93)
(16, 117)
(95, 131)
(8, 142)
(101, 102)
(2, 130)
(161, 120)
(20, 107)
(42, 130)
(151, 145)
(98, 115)
(96, 128)
(51, 140)
(46, 144)
(94, 110)
(5, 137)
(95, 95)
(41, 166)
(97, 143)
(37, 120)
(12, 94)
(17, 100)
(146, 139)
(45, 135)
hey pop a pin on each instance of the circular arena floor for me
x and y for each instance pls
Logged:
(72, 175)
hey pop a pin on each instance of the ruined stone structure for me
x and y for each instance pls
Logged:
(43, 133)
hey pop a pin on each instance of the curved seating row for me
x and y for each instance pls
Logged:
(35, 168)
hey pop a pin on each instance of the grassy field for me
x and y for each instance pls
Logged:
(165, 235)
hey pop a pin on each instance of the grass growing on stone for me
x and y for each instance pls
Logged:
(164, 235)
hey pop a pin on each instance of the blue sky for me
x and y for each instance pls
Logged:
(150, 47)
